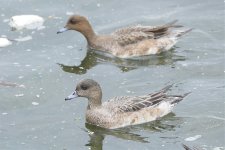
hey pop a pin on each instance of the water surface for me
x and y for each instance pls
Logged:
(36, 75)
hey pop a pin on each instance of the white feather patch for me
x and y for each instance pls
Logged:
(165, 107)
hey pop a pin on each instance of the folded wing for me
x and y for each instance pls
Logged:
(134, 34)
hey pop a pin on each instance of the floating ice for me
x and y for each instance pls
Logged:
(5, 20)
(22, 39)
(21, 77)
(35, 103)
(21, 85)
(19, 95)
(218, 148)
(193, 138)
(98, 5)
(26, 21)
(54, 137)
(16, 63)
(69, 13)
(4, 113)
(69, 46)
(4, 42)
(128, 91)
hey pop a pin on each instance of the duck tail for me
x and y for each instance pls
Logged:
(177, 98)
(179, 33)
(173, 24)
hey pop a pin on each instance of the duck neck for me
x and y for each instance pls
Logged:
(88, 33)
(95, 101)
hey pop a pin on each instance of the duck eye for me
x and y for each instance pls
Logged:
(84, 87)
(73, 21)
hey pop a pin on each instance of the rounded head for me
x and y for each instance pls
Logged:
(76, 22)
(86, 88)
(80, 24)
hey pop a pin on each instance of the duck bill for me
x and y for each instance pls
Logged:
(62, 30)
(71, 96)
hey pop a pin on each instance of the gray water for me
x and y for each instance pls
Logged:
(36, 75)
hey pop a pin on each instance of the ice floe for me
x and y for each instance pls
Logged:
(26, 21)
(19, 95)
(4, 42)
(193, 138)
(22, 39)
(69, 13)
(35, 103)
(4, 113)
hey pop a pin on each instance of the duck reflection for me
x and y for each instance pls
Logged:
(97, 134)
(94, 58)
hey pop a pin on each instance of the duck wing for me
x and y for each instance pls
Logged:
(134, 34)
(133, 37)
(135, 103)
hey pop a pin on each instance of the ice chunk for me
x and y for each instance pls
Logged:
(4, 42)
(26, 21)
(69, 13)
(4, 113)
(98, 5)
(193, 138)
(35, 103)
(19, 95)
(218, 148)
(22, 39)
(69, 47)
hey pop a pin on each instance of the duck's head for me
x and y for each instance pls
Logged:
(77, 23)
(87, 88)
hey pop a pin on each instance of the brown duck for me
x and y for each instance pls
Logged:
(130, 41)
(123, 111)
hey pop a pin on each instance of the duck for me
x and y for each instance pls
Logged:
(122, 111)
(128, 42)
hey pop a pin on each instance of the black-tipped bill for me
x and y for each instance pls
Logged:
(71, 96)
(62, 30)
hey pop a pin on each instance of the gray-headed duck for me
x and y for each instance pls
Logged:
(125, 110)
(133, 41)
